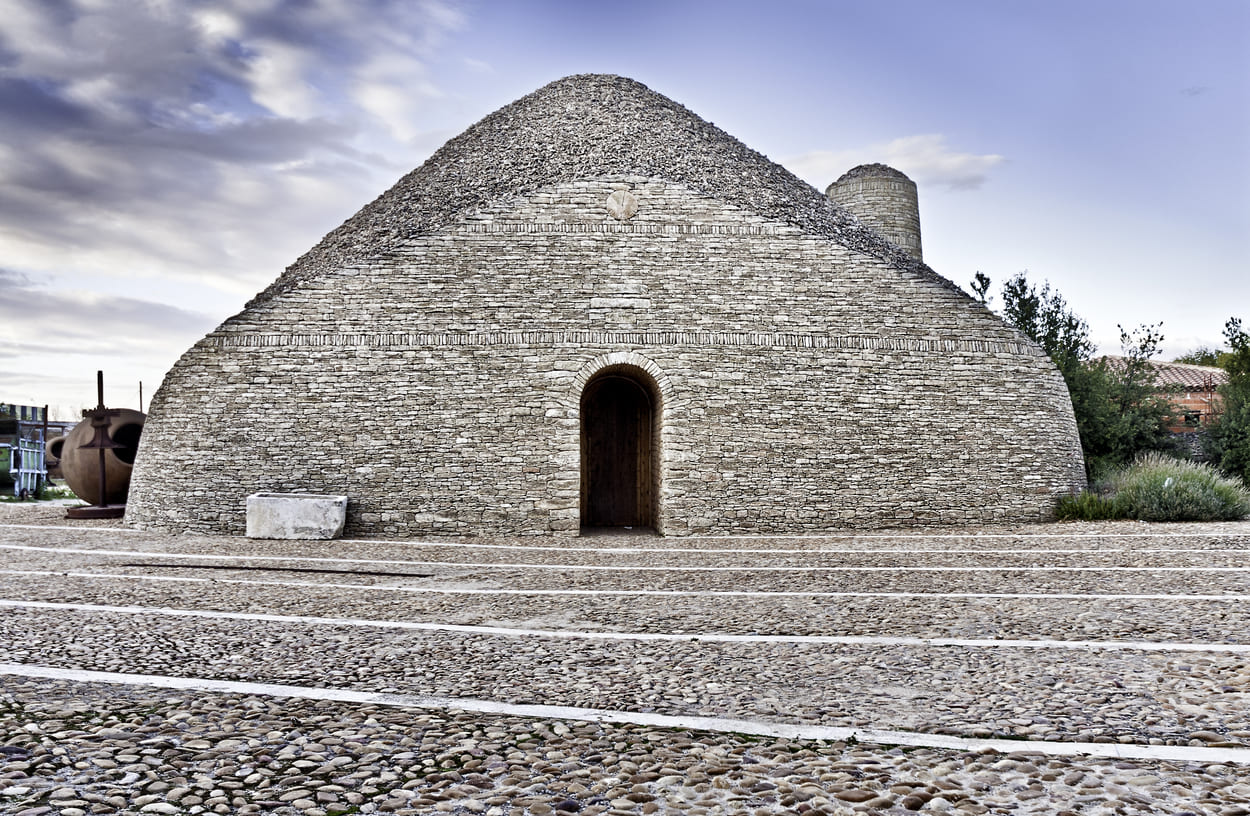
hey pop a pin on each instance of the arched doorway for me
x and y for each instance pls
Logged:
(619, 441)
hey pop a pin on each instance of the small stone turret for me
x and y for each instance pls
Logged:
(884, 199)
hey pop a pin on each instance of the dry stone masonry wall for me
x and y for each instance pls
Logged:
(428, 358)
(804, 385)
(884, 199)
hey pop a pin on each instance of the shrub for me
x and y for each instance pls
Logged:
(1087, 506)
(1160, 488)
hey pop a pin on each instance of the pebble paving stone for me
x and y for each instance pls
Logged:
(109, 595)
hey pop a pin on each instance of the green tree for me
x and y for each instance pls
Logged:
(1045, 317)
(1118, 414)
(1090, 385)
(1141, 414)
(1202, 356)
(1228, 443)
(981, 288)
(1237, 361)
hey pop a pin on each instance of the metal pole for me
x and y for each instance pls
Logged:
(100, 421)
(43, 477)
(99, 382)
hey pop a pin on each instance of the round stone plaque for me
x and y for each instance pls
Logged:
(622, 205)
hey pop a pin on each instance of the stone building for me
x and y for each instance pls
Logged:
(593, 308)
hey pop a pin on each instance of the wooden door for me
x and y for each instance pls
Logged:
(616, 453)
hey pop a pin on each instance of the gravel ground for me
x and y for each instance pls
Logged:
(1153, 619)
(80, 747)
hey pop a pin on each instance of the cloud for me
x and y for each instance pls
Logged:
(11, 281)
(393, 88)
(926, 158)
(152, 138)
(163, 160)
(131, 338)
(45, 319)
(10, 379)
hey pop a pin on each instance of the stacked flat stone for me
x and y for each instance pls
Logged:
(428, 358)
(884, 199)
(580, 127)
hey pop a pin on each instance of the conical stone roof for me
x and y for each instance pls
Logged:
(872, 171)
(584, 126)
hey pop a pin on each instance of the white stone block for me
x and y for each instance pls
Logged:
(295, 515)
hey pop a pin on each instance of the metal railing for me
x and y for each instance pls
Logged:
(26, 464)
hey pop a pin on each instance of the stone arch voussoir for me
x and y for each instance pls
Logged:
(616, 359)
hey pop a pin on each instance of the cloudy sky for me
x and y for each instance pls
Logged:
(163, 160)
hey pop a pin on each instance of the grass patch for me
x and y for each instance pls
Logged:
(47, 492)
(57, 491)
(1160, 488)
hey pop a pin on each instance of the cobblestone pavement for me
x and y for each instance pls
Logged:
(1088, 669)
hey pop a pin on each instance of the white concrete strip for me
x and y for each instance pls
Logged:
(812, 550)
(1242, 530)
(77, 529)
(1175, 753)
(603, 567)
(691, 593)
(570, 634)
(751, 537)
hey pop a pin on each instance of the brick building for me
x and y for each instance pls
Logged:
(593, 308)
(1193, 391)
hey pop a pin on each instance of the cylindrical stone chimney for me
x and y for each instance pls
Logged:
(885, 200)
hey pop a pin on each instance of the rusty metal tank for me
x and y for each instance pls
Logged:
(52, 456)
(81, 468)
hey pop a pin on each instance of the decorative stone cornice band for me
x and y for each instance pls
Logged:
(563, 227)
(936, 345)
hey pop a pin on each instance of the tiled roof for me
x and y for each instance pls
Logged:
(1192, 377)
